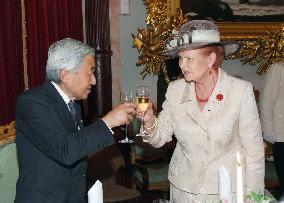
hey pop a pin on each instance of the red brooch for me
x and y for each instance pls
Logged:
(219, 97)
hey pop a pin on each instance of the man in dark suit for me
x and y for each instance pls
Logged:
(51, 141)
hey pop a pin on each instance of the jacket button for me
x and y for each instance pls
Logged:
(84, 175)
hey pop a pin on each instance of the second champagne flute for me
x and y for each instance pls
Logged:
(126, 96)
(143, 98)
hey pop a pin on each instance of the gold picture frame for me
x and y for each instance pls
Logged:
(262, 42)
(247, 30)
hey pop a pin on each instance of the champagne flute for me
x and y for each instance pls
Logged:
(142, 94)
(126, 96)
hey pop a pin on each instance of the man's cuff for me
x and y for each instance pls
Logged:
(108, 126)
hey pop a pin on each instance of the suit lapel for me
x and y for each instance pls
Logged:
(214, 106)
(217, 99)
(59, 105)
(191, 106)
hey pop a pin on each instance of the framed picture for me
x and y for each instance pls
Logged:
(235, 10)
(237, 19)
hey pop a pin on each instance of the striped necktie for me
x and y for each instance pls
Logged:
(74, 114)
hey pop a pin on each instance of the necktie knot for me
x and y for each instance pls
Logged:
(72, 109)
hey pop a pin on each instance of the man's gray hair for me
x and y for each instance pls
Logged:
(66, 53)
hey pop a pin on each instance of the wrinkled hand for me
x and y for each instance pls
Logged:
(149, 117)
(120, 115)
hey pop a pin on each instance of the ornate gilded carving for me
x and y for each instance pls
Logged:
(262, 42)
(150, 41)
(267, 49)
(7, 133)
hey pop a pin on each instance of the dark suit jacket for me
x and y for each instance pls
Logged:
(52, 152)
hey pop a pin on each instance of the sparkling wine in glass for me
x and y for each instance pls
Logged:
(142, 98)
(126, 96)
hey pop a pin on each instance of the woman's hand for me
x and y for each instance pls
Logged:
(149, 117)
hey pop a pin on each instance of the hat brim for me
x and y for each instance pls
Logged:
(229, 46)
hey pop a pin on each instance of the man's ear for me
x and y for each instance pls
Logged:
(64, 74)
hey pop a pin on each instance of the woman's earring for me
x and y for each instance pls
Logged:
(210, 71)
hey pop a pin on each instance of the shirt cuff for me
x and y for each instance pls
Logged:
(108, 127)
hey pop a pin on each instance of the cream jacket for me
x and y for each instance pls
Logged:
(272, 104)
(210, 138)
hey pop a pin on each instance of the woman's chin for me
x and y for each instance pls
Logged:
(188, 78)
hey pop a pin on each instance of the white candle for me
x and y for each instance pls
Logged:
(240, 191)
(225, 185)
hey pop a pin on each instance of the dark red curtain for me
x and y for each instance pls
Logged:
(47, 22)
(11, 66)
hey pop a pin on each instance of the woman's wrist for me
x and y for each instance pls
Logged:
(150, 127)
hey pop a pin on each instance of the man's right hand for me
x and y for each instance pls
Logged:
(120, 115)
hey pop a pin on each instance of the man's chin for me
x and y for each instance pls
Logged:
(85, 96)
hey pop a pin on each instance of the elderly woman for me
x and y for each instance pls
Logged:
(212, 114)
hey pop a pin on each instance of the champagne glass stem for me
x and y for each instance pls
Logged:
(142, 123)
(126, 132)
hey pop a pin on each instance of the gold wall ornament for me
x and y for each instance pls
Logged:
(266, 50)
(262, 42)
(150, 41)
(7, 133)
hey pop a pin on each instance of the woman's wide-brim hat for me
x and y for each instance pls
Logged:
(197, 34)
